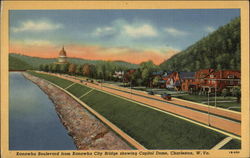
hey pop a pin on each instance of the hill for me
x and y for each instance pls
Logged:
(35, 62)
(17, 64)
(219, 50)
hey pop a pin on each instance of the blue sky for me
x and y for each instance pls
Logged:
(164, 32)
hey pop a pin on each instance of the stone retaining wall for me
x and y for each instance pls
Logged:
(88, 132)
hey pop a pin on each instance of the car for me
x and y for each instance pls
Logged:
(166, 96)
(151, 93)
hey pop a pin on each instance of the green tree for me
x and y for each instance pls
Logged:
(156, 80)
(224, 92)
(78, 70)
(237, 93)
(145, 76)
(63, 68)
(41, 67)
(46, 67)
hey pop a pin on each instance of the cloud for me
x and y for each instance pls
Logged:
(122, 30)
(209, 29)
(102, 31)
(175, 32)
(33, 42)
(144, 30)
(41, 25)
(38, 42)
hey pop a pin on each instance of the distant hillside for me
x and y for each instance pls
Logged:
(219, 50)
(35, 62)
(17, 64)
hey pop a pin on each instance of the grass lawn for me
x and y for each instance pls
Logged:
(233, 144)
(153, 129)
(56, 80)
(78, 90)
(235, 106)
(204, 100)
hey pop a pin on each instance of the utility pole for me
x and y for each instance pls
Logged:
(131, 88)
(215, 94)
(208, 110)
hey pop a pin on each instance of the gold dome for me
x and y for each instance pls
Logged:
(62, 52)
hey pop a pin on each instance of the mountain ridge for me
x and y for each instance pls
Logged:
(219, 50)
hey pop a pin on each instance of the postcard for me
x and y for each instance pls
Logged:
(124, 79)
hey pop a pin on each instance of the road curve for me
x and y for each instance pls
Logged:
(211, 120)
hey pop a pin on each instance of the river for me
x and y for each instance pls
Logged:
(33, 122)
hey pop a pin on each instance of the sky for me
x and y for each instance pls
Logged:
(129, 35)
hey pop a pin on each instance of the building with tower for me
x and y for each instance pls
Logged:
(62, 56)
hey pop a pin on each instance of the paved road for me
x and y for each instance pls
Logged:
(213, 110)
(214, 121)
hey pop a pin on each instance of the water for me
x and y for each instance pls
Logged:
(33, 122)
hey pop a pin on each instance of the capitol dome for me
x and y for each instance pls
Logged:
(62, 56)
(62, 52)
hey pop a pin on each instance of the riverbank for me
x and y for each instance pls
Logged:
(86, 130)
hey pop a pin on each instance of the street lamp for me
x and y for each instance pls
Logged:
(208, 109)
(215, 94)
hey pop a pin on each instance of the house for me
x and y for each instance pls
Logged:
(118, 74)
(209, 80)
(179, 80)
(205, 80)
(159, 75)
(127, 75)
(173, 81)
(187, 80)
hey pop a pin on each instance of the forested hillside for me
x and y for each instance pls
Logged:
(35, 62)
(17, 64)
(219, 50)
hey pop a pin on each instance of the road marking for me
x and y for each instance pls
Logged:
(222, 143)
(70, 85)
(183, 118)
(175, 115)
(86, 93)
(116, 129)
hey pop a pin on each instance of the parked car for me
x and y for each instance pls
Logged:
(166, 96)
(151, 93)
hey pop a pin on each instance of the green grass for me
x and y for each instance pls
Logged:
(227, 105)
(56, 80)
(202, 99)
(78, 90)
(151, 128)
(233, 144)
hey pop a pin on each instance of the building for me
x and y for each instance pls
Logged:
(209, 80)
(203, 81)
(179, 80)
(62, 58)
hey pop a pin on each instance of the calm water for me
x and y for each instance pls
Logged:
(34, 124)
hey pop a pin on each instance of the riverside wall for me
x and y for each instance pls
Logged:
(88, 132)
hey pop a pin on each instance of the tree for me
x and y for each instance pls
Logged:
(63, 68)
(78, 69)
(156, 80)
(46, 67)
(86, 70)
(41, 67)
(139, 81)
(72, 69)
(145, 76)
(224, 92)
(237, 93)
(93, 73)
